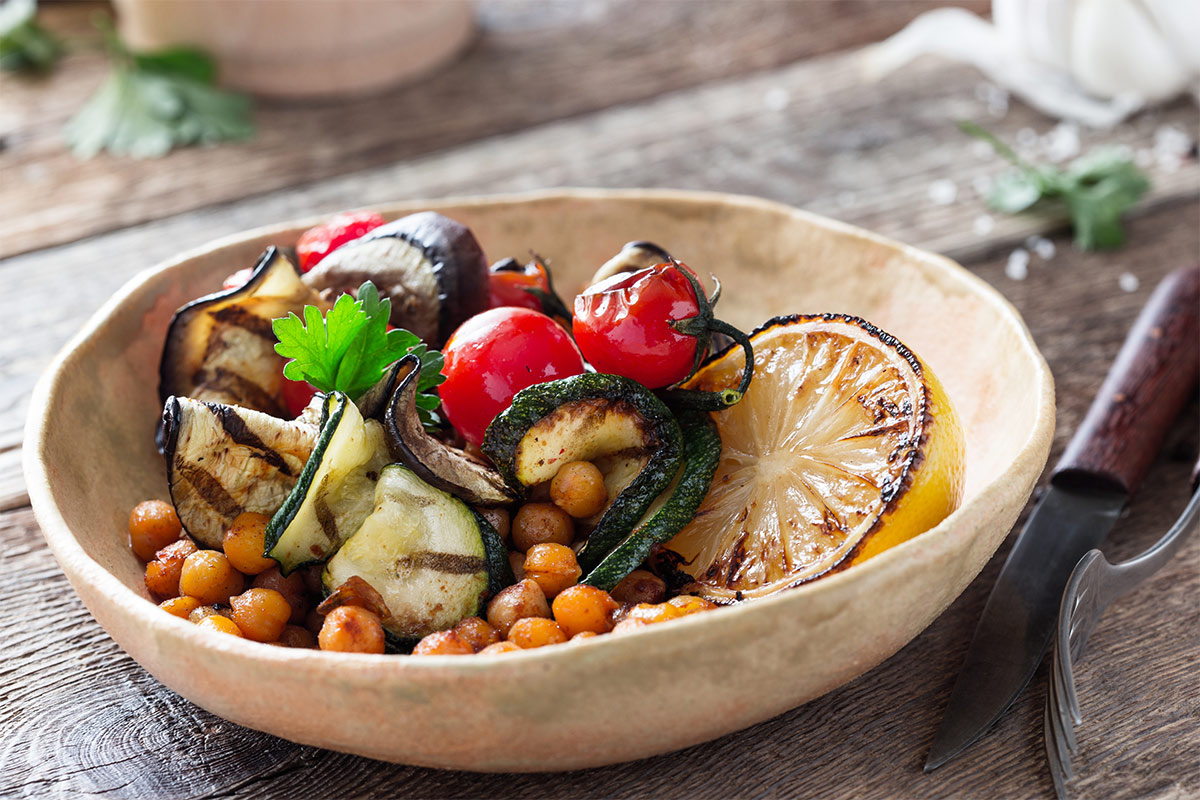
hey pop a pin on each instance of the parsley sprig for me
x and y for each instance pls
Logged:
(25, 46)
(153, 102)
(1095, 190)
(349, 349)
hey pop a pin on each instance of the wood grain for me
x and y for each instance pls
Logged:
(1152, 378)
(82, 719)
(866, 154)
(534, 61)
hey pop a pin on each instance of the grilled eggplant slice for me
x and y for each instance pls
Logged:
(223, 460)
(431, 267)
(334, 492)
(632, 257)
(613, 421)
(424, 551)
(438, 464)
(221, 347)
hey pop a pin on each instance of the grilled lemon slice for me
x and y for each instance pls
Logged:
(845, 445)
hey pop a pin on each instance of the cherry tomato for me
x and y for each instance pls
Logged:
(296, 395)
(623, 325)
(496, 354)
(316, 243)
(508, 282)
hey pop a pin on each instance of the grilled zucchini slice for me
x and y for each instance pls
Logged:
(671, 510)
(429, 556)
(613, 421)
(334, 493)
(223, 460)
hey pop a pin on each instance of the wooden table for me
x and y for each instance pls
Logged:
(756, 97)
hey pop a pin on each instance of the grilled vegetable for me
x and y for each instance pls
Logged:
(334, 492)
(221, 347)
(423, 551)
(430, 266)
(612, 421)
(672, 510)
(223, 460)
(634, 256)
(435, 462)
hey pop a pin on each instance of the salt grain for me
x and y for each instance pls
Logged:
(1042, 247)
(1128, 282)
(984, 224)
(1017, 267)
(777, 99)
(1062, 142)
(943, 192)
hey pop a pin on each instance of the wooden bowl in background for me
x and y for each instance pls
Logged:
(90, 457)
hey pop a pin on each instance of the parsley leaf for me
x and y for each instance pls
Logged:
(350, 348)
(25, 46)
(1095, 190)
(153, 102)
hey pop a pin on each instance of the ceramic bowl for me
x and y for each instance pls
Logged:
(90, 457)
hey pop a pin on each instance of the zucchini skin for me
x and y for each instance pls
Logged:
(504, 436)
(499, 568)
(701, 455)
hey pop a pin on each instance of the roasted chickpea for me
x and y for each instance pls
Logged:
(553, 567)
(629, 624)
(578, 609)
(477, 633)
(443, 643)
(498, 648)
(201, 613)
(163, 573)
(541, 523)
(216, 622)
(640, 586)
(244, 543)
(295, 636)
(517, 561)
(292, 588)
(533, 632)
(524, 599)
(578, 489)
(153, 524)
(180, 606)
(654, 612)
(690, 604)
(350, 629)
(262, 614)
(499, 518)
(209, 577)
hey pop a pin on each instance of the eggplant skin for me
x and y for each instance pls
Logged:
(222, 460)
(430, 266)
(221, 347)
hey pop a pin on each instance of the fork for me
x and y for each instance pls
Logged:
(1093, 586)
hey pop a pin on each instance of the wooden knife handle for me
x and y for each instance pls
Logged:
(1154, 375)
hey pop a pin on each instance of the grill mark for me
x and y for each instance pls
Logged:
(237, 386)
(450, 563)
(237, 429)
(324, 515)
(209, 488)
(239, 317)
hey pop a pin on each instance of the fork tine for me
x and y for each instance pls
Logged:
(1059, 694)
(1052, 756)
(1059, 732)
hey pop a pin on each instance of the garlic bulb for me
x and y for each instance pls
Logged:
(1091, 61)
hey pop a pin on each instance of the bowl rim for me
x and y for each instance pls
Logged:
(78, 565)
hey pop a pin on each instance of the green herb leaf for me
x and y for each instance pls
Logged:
(153, 102)
(25, 46)
(350, 348)
(1095, 190)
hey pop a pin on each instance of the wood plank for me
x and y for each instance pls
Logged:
(533, 62)
(82, 719)
(864, 154)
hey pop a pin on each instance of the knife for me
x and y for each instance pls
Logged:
(1155, 373)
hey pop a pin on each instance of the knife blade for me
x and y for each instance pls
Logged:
(1153, 376)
